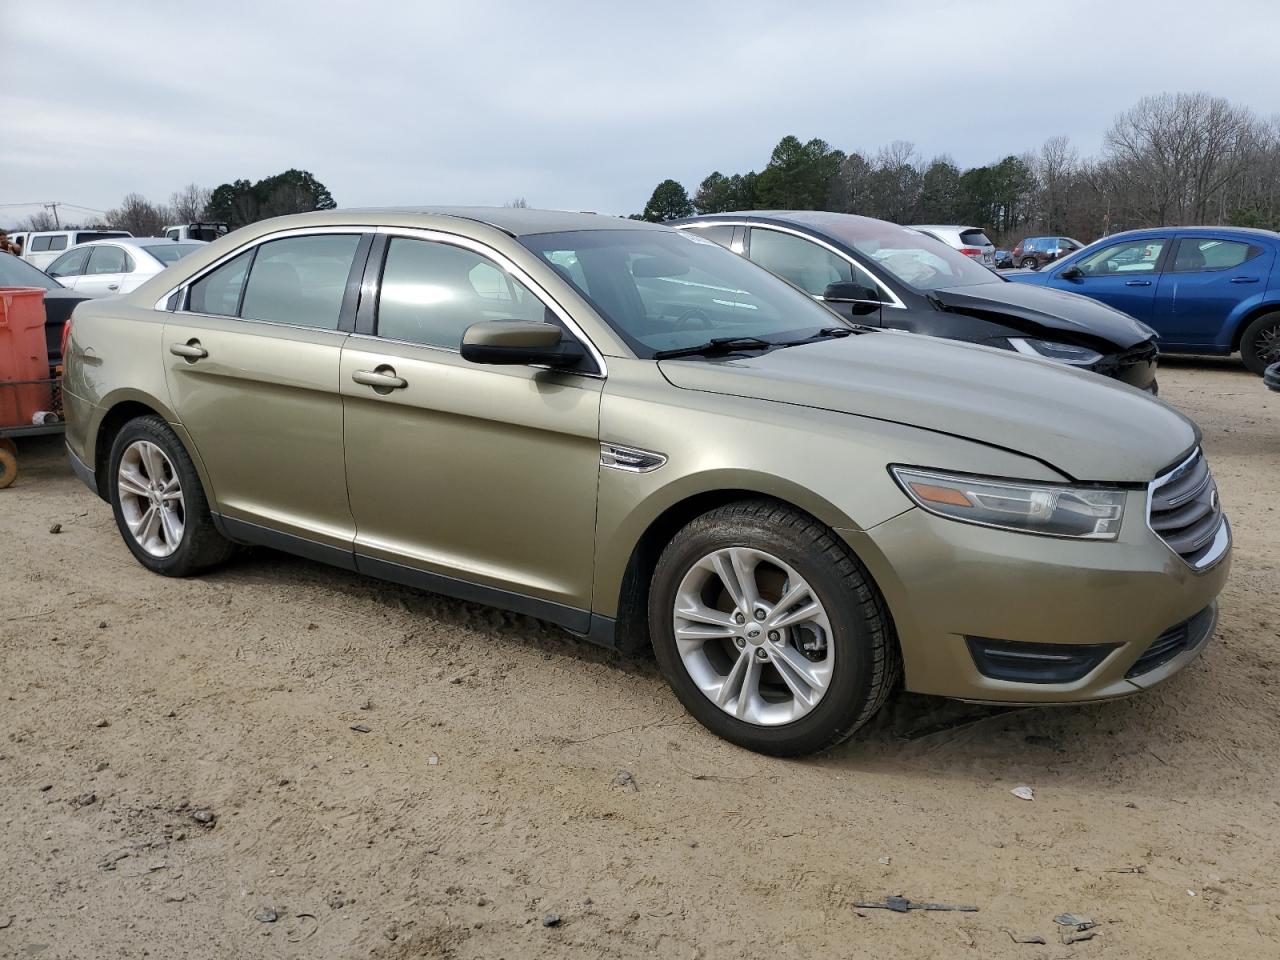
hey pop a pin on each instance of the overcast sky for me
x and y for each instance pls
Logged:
(573, 105)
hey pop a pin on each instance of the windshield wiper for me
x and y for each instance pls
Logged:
(716, 346)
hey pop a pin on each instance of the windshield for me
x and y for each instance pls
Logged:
(667, 290)
(168, 253)
(19, 273)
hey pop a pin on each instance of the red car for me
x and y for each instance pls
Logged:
(1034, 252)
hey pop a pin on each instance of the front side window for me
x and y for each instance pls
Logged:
(1196, 254)
(70, 264)
(1131, 256)
(665, 290)
(431, 292)
(810, 267)
(107, 259)
(300, 280)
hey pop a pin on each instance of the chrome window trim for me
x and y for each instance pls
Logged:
(893, 300)
(1221, 539)
(248, 245)
(509, 266)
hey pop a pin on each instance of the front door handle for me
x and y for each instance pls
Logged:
(1137, 283)
(383, 379)
(191, 350)
(113, 286)
(1244, 279)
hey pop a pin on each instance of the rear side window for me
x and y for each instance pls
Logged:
(218, 292)
(1204, 254)
(58, 242)
(300, 280)
(974, 238)
(721, 233)
(431, 292)
(70, 264)
(85, 236)
(108, 259)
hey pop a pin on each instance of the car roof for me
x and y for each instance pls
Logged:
(1200, 231)
(842, 228)
(133, 242)
(941, 226)
(514, 221)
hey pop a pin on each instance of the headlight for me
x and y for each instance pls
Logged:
(1086, 513)
(1062, 352)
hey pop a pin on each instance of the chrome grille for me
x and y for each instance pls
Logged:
(1184, 512)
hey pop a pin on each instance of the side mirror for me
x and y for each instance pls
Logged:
(862, 300)
(1072, 273)
(518, 342)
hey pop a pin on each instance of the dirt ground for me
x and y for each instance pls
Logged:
(510, 772)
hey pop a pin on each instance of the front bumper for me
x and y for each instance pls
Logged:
(947, 582)
(1136, 367)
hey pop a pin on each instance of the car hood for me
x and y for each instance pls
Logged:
(1048, 308)
(1085, 426)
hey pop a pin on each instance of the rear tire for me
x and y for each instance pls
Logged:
(864, 664)
(159, 505)
(1260, 343)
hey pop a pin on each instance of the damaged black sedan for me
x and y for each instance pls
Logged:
(883, 275)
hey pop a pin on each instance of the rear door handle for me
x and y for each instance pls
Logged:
(191, 350)
(382, 379)
(1137, 283)
(1244, 279)
(113, 286)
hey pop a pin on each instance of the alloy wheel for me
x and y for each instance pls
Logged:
(753, 636)
(151, 498)
(1267, 344)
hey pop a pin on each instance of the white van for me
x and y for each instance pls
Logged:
(207, 231)
(42, 247)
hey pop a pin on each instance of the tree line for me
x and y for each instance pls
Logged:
(1172, 159)
(237, 203)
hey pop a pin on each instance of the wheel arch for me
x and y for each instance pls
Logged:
(118, 409)
(625, 586)
(1247, 317)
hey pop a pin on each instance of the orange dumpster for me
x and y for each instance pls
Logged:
(24, 355)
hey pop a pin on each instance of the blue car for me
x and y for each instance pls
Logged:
(1204, 289)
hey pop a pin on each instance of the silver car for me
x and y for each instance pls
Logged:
(971, 241)
(109, 268)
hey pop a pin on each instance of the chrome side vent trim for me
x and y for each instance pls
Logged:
(630, 459)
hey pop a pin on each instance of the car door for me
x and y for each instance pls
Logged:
(252, 364)
(1205, 280)
(813, 267)
(70, 267)
(105, 270)
(474, 480)
(1121, 274)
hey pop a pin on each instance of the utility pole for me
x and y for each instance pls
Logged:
(54, 207)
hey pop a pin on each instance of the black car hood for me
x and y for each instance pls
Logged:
(1047, 308)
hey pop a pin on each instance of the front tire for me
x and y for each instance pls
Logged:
(1028, 263)
(1260, 343)
(770, 632)
(159, 505)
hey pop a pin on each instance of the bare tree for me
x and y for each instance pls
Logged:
(1173, 155)
(139, 216)
(188, 204)
(519, 203)
(1055, 168)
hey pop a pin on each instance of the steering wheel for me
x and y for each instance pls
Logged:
(689, 316)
